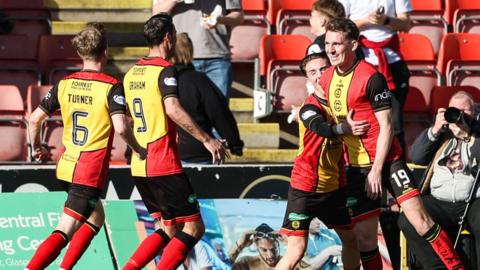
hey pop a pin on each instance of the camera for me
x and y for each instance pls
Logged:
(455, 116)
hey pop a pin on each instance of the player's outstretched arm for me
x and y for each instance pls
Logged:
(121, 126)
(175, 112)
(34, 126)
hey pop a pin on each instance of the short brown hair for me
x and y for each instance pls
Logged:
(331, 8)
(91, 42)
(344, 25)
(183, 49)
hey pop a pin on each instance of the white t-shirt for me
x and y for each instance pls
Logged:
(358, 9)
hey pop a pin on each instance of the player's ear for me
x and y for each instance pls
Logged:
(354, 45)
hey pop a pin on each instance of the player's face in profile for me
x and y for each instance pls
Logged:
(339, 48)
(268, 251)
(315, 68)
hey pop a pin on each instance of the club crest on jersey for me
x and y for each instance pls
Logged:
(170, 81)
(119, 99)
(308, 114)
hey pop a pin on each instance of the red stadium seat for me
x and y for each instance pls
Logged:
(118, 151)
(12, 126)
(52, 133)
(459, 57)
(279, 63)
(35, 95)
(442, 94)
(254, 27)
(451, 6)
(57, 53)
(427, 18)
(417, 115)
(273, 7)
(293, 18)
(21, 77)
(417, 52)
(12, 56)
(466, 16)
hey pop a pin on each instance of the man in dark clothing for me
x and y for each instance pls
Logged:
(453, 154)
(205, 103)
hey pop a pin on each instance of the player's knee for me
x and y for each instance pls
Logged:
(296, 250)
(196, 229)
(422, 223)
(366, 241)
(349, 240)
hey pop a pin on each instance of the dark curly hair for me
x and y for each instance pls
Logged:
(157, 27)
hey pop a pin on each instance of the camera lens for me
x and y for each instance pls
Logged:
(453, 115)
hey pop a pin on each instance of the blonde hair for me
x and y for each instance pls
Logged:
(183, 49)
(91, 42)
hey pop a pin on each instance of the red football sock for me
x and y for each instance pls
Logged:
(442, 245)
(176, 251)
(48, 251)
(371, 260)
(79, 243)
(148, 249)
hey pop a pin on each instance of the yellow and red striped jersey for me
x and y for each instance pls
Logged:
(147, 84)
(319, 165)
(365, 91)
(86, 99)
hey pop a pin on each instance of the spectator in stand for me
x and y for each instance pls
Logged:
(209, 24)
(205, 103)
(379, 22)
(450, 178)
(322, 12)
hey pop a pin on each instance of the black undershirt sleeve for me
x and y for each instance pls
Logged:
(167, 82)
(378, 93)
(116, 99)
(312, 118)
(49, 103)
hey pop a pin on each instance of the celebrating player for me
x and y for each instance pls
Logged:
(91, 103)
(373, 159)
(151, 94)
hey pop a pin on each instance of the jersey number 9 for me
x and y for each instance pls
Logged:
(138, 112)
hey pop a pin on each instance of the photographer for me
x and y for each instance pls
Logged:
(453, 153)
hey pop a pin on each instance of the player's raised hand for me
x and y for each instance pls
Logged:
(217, 149)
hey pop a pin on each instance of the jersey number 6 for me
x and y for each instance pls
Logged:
(78, 129)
